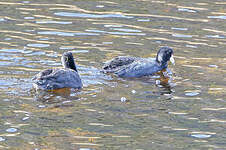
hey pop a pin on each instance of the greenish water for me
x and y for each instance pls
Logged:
(186, 113)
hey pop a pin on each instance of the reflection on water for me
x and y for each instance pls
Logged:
(55, 96)
(184, 109)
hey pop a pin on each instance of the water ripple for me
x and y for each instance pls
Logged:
(96, 31)
(217, 17)
(38, 45)
(11, 130)
(186, 10)
(215, 36)
(15, 51)
(182, 35)
(126, 30)
(181, 29)
(67, 33)
(192, 94)
(201, 136)
(113, 25)
(86, 15)
(2, 19)
(125, 33)
(51, 22)
(143, 20)
(29, 18)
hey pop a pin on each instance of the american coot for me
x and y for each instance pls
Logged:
(126, 66)
(66, 77)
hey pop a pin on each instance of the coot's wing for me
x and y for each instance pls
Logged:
(112, 65)
(142, 67)
(42, 74)
(57, 78)
(66, 78)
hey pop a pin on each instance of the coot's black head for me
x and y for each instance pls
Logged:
(164, 55)
(67, 60)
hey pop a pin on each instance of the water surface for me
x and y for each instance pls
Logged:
(188, 112)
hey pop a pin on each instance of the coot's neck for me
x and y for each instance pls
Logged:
(72, 66)
(161, 62)
(69, 63)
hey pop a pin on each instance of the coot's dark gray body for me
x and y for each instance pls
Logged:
(126, 66)
(66, 77)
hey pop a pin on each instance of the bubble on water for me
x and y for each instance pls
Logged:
(123, 99)
(133, 91)
(11, 130)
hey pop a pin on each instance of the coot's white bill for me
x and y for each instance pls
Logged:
(172, 60)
